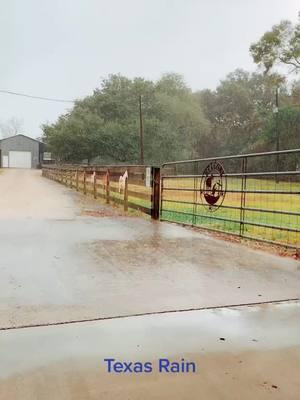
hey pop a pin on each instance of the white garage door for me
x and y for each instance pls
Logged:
(19, 159)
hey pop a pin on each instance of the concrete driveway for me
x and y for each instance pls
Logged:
(60, 265)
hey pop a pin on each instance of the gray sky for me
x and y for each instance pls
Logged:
(62, 48)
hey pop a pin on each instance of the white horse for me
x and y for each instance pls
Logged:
(122, 181)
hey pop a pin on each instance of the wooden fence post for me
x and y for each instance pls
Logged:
(84, 181)
(107, 186)
(126, 195)
(95, 185)
(77, 182)
(155, 192)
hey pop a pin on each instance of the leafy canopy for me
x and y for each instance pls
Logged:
(280, 45)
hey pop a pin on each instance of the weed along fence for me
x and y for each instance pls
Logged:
(134, 187)
(255, 196)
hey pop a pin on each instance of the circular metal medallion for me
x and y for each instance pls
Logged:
(213, 186)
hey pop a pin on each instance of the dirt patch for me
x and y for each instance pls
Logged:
(102, 213)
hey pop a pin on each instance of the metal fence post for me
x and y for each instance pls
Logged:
(155, 192)
(243, 196)
(161, 195)
(195, 193)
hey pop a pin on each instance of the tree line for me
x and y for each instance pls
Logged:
(239, 116)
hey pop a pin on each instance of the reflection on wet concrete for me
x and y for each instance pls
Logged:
(89, 268)
(58, 264)
(32, 359)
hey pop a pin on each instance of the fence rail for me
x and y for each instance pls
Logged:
(137, 190)
(254, 196)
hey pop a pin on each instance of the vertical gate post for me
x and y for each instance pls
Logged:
(155, 192)
(84, 181)
(107, 186)
(95, 184)
(195, 193)
(77, 180)
(161, 195)
(126, 195)
(243, 196)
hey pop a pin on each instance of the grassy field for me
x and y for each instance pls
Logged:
(194, 212)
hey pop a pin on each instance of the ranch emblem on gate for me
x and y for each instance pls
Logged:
(213, 186)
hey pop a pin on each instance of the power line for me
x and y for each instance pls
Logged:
(36, 97)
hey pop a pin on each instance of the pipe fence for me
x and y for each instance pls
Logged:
(254, 196)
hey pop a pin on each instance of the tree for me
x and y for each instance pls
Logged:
(11, 127)
(106, 124)
(280, 45)
(237, 117)
(237, 110)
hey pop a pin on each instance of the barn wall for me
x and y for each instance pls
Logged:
(21, 143)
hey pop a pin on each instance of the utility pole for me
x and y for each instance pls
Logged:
(141, 131)
(276, 110)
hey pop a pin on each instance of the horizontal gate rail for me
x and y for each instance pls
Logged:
(263, 210)
(249, 155)
(241, 191)
(254, 196)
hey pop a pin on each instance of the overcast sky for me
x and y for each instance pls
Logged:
(62, 48)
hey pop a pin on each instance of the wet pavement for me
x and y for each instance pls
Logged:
(239, 352)
(59, 264)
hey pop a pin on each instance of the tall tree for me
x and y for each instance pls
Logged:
(280, 45)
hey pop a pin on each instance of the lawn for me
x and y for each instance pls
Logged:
(269, 208)
(276, 209)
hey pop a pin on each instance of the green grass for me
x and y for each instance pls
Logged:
(174, 211)
(201, 215)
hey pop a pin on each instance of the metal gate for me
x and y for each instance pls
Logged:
(254, 196)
